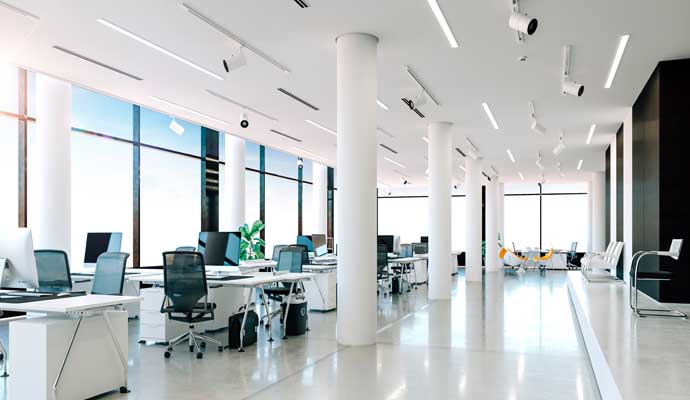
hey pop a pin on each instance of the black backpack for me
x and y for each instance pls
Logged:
(235, 326)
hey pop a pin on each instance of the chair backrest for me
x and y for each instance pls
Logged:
(381, 258)
(276, 251)
(110, 274)
(305, 253)
(52, 267)
(290, 259)
(186, 248)
(420, 248)
(615, 254)
(573, 249)
(514, 249)
(673, 252)
(184, 276)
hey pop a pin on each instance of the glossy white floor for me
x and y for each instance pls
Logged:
(512, 338)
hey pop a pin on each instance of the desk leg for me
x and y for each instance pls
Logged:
(244, 319)
(287, 310)
(64, 360)
(5, 358)
(123, 358)
(268, 314)
(318, 288)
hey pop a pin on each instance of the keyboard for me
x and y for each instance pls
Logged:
(228, 277)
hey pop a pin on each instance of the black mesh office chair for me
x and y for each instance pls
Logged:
(110, 274)
(184, 277)
(290, 260)
(52, 267)
(186, 248)
(276, 251)
(382, 273)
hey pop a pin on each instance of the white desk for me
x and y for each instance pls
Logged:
(77, 350)
(257, 281)
(407, 265)
(321, 289)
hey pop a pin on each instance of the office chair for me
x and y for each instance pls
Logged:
(637, 275)
(52, 267)
(110, 274)
(290, 260)
(542, 260)
(602, 261)
(184, 277)
(186, 248)
(572, 255)
(382, 274)
(276, 251)
(305, 254)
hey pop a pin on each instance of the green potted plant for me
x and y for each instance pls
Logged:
(250, 246)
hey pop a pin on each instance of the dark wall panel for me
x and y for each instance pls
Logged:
(619, 196)
(608, 194)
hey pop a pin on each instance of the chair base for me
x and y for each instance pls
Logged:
(195, 340)
(660, 313)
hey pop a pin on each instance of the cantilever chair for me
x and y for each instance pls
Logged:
(110, 274)
(637, 275)
(602, 261)
(53, 271)
(184, 276)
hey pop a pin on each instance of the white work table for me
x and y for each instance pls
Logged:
(77, 350)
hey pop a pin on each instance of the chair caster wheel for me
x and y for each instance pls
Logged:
(203, 344)
(166, 354)
(191, 349)
(123, 389)
(199, 356)
(220, 349)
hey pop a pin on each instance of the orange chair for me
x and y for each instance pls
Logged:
(511, 259)
(541, 261)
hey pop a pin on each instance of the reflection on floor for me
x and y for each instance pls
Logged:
(513, 337)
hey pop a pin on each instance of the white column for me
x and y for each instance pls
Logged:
(492, 224)
(473, 236)
(234, 180)
(320, 198)
(441, 182)
(590, 215)
(52, 226)
(599, 211)
(501, 208)
(357, 85)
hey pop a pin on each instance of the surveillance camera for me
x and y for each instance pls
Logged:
(235, 60)
(244, 122)
(523, 23)
(573, 88)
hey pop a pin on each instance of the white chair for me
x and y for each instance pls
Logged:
(585, 259)
(603, 264)
(637, 275)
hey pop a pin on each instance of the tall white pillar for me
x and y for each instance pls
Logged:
(473, 236)
(590, 215)
(320, 198)
(441, 182)
(235, 180)
(599, 211)
(357, 84)
(492, 224)
(501, 213)
(52, 227)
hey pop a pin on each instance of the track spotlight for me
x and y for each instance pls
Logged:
(523, 23)
(536, 126)
(539, 163)
(176, 127)
(244, 122)
(235, 60)
(568, 86)
(560, 146)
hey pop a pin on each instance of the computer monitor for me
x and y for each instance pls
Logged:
(386, 240)
(98, 243)
(424, 239)
(306, 240)
(406, 250)
(220, 248)
(17, 259)
(320, 244)
(396, 244)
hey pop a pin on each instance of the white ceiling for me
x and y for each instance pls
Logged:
(485, 68)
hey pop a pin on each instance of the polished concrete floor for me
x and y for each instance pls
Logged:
(513, 337)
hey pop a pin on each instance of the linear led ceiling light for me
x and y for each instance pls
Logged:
(462, 167)
(521, 23)
(96, 62)
(560, 171)
(244, 107)
(305, 151)
(381, 104)
(569, 86)
(189, 110)
(385, 132)
(617, 60)
(316, 124)
(494, 170)
(579, 165)
(510, 154)
(394, 162)
(536, 126)
(19, 11)
(473, 151)
(592, 128)
(438, 13)
(424, 138)
(421, 84)
(539, 163)
(560, 146)
(234, 37)
(489, 114)
(158, 48)
(522, 177)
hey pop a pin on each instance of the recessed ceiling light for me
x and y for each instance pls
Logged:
(381, 104)
(394, 162)
(426, 139)
(19, 10)
(189, 110)
(462, 168)
(489, 114)
(591, 133)
(157, 47)
(522, 177)
(510, 154)
(316, 124)
(443, 23)
(579, 165)
(616, 60)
